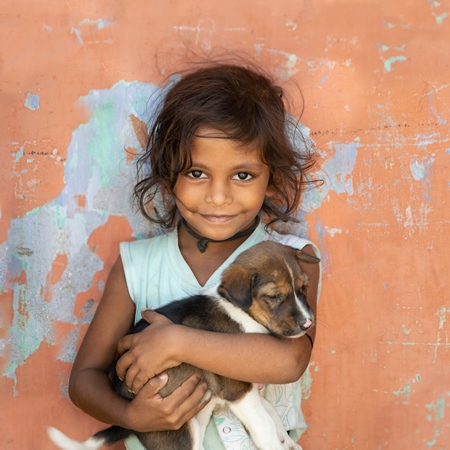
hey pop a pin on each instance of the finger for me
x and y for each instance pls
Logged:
(199, 398)
(125, 344)
(149, 315)
(140, 379)
(122, 365)
(130, 377)
(188, 395)
(154, 385)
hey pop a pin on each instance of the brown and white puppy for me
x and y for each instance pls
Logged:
(262, 291)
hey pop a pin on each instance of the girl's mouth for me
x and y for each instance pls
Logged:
(217, 219)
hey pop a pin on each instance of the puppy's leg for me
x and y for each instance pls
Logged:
(253, 415)
(203, 418)
(283, 436)
(194, 431)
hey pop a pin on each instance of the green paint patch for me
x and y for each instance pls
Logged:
(437, 412)
(388, 62)
(306, 382)
(440, 18)
(405, 330)
(404, 394)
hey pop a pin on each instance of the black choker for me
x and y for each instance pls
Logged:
(203, 242)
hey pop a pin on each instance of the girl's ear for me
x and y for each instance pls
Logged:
(270, 191)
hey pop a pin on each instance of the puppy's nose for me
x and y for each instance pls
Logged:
(306, 325)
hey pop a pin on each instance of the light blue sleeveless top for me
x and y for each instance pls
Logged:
(156, 273)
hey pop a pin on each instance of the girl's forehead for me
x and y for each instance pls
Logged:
(210, 138)
(212, 149)
(210, 133)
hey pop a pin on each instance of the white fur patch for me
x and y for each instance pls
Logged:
(248, 324)
(63, 442)
(299, 303)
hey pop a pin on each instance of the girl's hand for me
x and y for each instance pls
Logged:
(148, 411)
(148, 353)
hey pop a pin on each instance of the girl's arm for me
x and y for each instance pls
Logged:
(90, 387)
(256, 358)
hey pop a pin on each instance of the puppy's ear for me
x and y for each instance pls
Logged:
(304, 257)
(236, 286)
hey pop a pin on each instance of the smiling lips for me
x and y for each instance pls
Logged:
(217, 219)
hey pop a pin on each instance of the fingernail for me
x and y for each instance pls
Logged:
(131, 392)
(163, 376)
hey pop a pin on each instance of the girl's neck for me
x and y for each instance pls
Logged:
(203, 265)
(202, 242)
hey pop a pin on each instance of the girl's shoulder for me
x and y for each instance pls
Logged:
(141, 248)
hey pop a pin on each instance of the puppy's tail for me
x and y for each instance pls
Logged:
(105, 437)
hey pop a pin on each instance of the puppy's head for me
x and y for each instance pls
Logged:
(267, 282)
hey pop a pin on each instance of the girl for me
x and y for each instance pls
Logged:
(219, 159)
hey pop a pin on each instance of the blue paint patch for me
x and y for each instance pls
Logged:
(324, 249)
(77, 33)
(99, 23)
(18, 156)
(431, 105)
(32, 101)
(420, 171)
(336, 175)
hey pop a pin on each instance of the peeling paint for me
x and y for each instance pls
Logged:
(32, 101)
(77, 33)
(59, 227)
(404, 393)
(306, 382)
(437, 412)
(336, 174)
(388, 62)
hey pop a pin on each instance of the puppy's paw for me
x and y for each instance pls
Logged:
(289, 444)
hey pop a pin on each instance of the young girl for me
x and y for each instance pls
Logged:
(220, 158)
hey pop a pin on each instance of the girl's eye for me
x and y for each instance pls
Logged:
(196, 174)
(243, 176)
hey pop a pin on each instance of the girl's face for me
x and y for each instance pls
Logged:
(223, 191)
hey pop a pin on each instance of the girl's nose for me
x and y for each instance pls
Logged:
(218, 194)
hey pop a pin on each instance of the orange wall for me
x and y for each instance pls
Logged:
(75, 80)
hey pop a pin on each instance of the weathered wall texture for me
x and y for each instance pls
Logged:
(76, 77)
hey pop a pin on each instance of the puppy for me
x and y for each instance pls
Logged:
(262, 291)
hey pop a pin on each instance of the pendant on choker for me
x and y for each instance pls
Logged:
(202, 242)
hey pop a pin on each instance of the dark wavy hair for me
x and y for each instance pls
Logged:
(242, 103)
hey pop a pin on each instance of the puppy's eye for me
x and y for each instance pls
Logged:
(274, 297)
